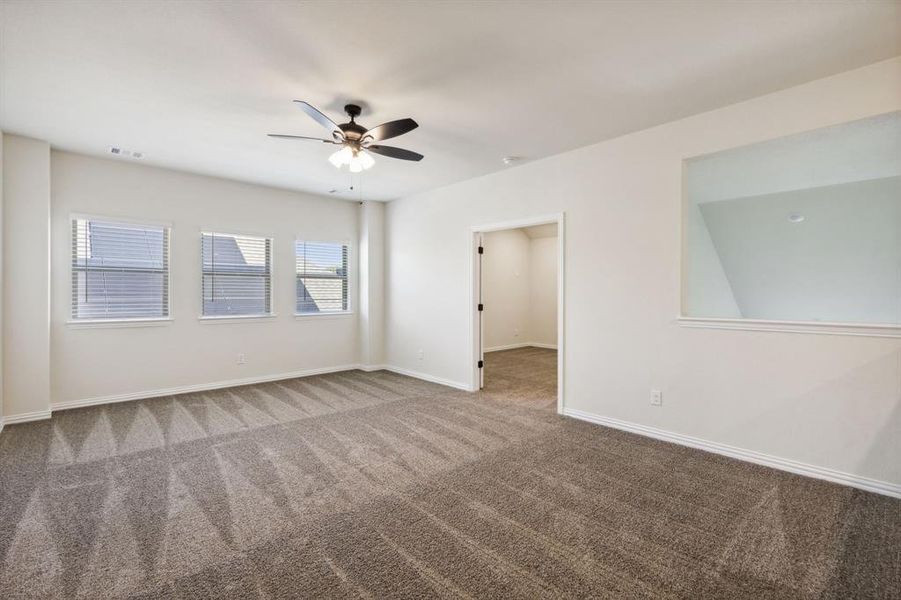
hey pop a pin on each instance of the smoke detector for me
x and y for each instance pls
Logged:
(509, 160)
(123, 152)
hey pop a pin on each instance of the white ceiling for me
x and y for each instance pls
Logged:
(197, 85)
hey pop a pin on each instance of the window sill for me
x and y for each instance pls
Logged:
(236, 318)
(116, 323)
(323, 315)
(811, 327)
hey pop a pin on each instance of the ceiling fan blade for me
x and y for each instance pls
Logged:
(321, 119)
(300, 137)
(389, 130)
(393, 152)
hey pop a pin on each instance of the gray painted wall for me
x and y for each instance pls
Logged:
(841, 264)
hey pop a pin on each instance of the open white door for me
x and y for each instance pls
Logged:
(480, 309)
(477, 321)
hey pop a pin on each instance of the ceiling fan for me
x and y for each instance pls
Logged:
(357, 141)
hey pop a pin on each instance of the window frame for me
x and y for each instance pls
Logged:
(350, 278)
(248, 317)
(114, 322)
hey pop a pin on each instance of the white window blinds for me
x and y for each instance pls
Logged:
(321, 277)
(119, 270)
(237, 275)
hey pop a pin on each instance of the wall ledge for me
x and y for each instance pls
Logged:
(810, 327)
(885, 488)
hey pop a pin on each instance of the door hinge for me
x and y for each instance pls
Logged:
(481, 307)
(481, 250)
(481, 364)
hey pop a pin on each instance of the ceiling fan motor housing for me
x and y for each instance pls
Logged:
(352, 131)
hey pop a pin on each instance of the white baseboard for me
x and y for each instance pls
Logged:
(783, 464)
(37, 415)
(201, 387)
(520, 345)
(506, 347)
(415, 375)
(427, 377)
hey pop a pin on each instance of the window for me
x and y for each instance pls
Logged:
(321, 277)
(802, 230)
(237, 275)
(119, 270)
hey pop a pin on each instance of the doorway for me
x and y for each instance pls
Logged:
(517, 310)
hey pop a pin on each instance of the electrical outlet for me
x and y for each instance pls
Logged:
(656, 398)
(420, 355)
(516, 333)
(242, 359)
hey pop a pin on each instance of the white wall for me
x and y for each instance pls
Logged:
(831, 401)
(506, 290)
(519, 289)
(543, 291)
(842, 264)
(372, 278)
(26, 274)
(707, 291)
(91, 362)
(1, 281)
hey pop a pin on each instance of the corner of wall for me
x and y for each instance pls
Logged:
(371, 281)
(1, 280)
(25, 224)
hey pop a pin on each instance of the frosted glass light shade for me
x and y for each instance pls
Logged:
(341, 157)
(356, 161)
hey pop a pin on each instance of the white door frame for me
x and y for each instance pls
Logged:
(475, 340)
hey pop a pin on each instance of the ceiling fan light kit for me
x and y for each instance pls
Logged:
(357, 142)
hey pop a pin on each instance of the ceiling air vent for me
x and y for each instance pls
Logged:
(119, 151)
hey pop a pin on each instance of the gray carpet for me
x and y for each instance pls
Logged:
(376, 485)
